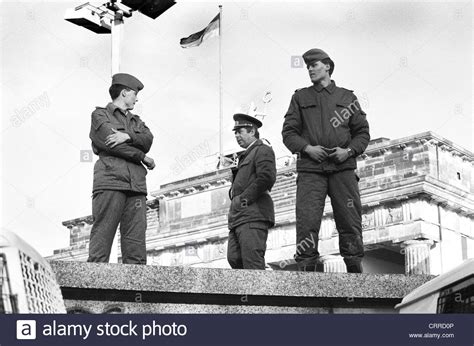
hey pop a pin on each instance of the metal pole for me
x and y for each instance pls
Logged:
(116, 33)
(221, 106)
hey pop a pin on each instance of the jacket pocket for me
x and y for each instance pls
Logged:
(240, 211)
(115, 168)
(118, 126)
(308, 109)
(308, 104)
(109, 162)
(244, 163)
(244, 176)
(96, 193)
(137, 128)
(259, 225)
(237, 204)
(311, 117)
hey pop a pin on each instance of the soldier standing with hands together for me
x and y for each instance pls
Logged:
(326, 127)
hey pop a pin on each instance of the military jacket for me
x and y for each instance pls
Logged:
(119, 168)
(330, 117)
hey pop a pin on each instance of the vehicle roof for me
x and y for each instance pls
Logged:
(11, 240)
(464, 270)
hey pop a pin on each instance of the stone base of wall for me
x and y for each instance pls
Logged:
(123, 288)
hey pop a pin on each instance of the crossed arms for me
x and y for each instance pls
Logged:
(131, 146)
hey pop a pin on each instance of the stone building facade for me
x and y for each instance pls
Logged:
(418, 214)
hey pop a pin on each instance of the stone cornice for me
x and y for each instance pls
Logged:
(428, 137)
(80, 221)
(70, 254)
(430, 188)
(206, 181)
(194, 184)
(190, 186)
(449, 196)
(199, 234)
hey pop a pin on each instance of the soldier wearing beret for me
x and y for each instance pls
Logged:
(251, 211)
(122, 140)
(327, 129)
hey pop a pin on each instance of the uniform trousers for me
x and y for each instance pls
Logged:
(343, 190)
(247, 245)
(109, 208)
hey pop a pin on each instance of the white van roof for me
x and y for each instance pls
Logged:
(11, 240)
(458, 273)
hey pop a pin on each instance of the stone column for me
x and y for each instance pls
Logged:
(333, 264)
(325, 231)
(417, 256)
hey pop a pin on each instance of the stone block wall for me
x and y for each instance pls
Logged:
(380, 168)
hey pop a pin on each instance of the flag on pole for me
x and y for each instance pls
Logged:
(196, 39)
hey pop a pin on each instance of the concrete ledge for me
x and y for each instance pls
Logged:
(94, 287)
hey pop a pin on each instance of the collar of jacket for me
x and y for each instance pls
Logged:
(257, 143)
(330, 88)
(112, 108)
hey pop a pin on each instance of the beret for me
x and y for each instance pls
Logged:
(313, 55)
(127, 80)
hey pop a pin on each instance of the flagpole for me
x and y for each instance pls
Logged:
(221, 154)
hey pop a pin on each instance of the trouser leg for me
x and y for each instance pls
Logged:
(252, 238)
(133, 230)
(311, 194)
(107, 208)
(234, 256)
(347, 208)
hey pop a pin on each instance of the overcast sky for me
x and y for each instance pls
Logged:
(410, 64)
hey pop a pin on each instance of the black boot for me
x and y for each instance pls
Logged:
(310, 265)
(354, 268)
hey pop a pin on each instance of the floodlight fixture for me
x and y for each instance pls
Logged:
(150, 8)
(90, 17)
(109, 17)
(117, 8)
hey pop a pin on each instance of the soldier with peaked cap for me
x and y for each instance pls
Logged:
(251, 211)
(122, 140)
(326, 127)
